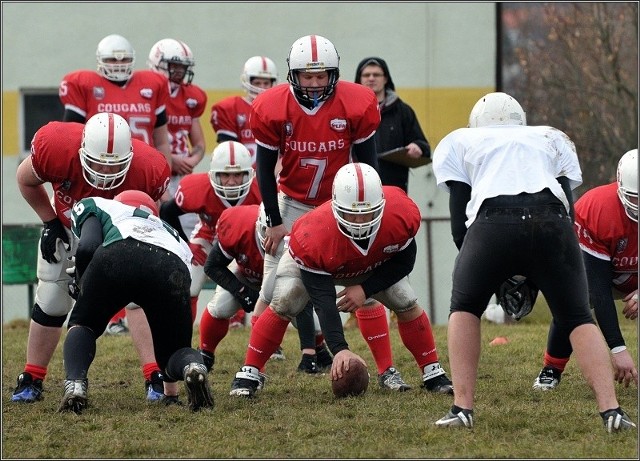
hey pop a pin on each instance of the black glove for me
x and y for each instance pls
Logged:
(52, 232)
(72, 286)
(247, 297)
(517, 295)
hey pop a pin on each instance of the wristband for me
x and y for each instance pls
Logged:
(618, 349)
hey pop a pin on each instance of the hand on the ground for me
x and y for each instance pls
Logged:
(624, 368)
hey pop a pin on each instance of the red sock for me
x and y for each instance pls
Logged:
(319, 340)
(148, 369)
(374, 328)
(194, 308)
(212, 331)
(254, 319)
(36, 372)
(417, 336)
(118, 316)
(558, 364)
(266, 336)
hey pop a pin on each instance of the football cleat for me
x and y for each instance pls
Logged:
(117, 328)
(548, 379)
(197, 385)
(75, 396)
(435, 380)
(391, 379)
(464, 418)
(324, 360)
(28, 390)
(308, 364)
(154, 387)
(278, 354)
(247, 382)
(208, 358)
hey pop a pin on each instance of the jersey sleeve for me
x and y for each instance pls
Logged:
(72, 93)
(223, 118)
(80, 212)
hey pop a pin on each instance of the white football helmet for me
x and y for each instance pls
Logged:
(627, 176)
(357, 190)
(169, 51)
(258, 67)
(497, 109)
(313, 53)
(106, 151)
(115, 47)
(261, 225)
(231, 157)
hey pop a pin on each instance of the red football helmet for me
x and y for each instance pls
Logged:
(138, 199)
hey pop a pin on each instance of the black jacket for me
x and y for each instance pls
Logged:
(399, 126)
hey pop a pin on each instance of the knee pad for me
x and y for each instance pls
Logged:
(53, 298)
(197, 280)
(45, 319)
(223, 305)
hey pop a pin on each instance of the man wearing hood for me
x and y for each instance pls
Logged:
(399, 126)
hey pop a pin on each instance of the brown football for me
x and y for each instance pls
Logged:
(353, 383)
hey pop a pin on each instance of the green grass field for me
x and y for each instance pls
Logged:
(296, 416)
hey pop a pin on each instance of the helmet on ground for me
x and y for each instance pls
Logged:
(174, 59)
(231, 157)
(627, 177)
(106, 150)
(258, 67)
(497, 109)
(261, 225)
(313, 53)
(357, 191)
(116, 58)
(517, 296)
(138, 199)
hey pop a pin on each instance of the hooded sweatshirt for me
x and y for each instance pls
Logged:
(398, 127)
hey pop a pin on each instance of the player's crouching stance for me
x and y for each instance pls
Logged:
(362, 239)
(127, 254)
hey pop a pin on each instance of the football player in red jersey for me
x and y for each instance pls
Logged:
(97, 159)
(607, 226)
(230, 117)
(362, 239)
(228, 183)
(187, 101)
(140, 97)
(316, 124)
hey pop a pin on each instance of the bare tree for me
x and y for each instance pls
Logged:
(574, 66)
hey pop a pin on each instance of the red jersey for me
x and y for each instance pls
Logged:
(230, 117)
(195, 194)
(314, 144)
(139, 101)
(606, 232)
(238, 239)
(185, 105)
(55, 159)
(317, 244)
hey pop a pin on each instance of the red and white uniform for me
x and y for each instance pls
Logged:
(330, 252)
(139, 101)
(312, 155)
(55, 159)
(196, 195)
(186, 104)
(238, 240)
(606, 232)
(230, 117)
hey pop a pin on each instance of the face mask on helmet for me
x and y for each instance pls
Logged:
(358, 200)
(228, 160)
(138, 199)
(116, 58)
(106, 151)
(313, 54)
(174, 59)
(497, 109)
(261, 226)
(627, 177)
(258, 67)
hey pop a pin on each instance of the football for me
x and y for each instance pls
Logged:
(353, 383)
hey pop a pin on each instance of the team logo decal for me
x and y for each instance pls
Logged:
(191, 103)
(338, 124)
(621, 245)
(242, 119)
(288, 129)
(391, 248)
(146, 93)
(98, 92)
(66, 184)
(243, 259)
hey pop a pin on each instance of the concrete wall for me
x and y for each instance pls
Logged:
(441, 57)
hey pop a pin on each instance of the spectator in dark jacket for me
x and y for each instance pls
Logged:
(399, 126)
